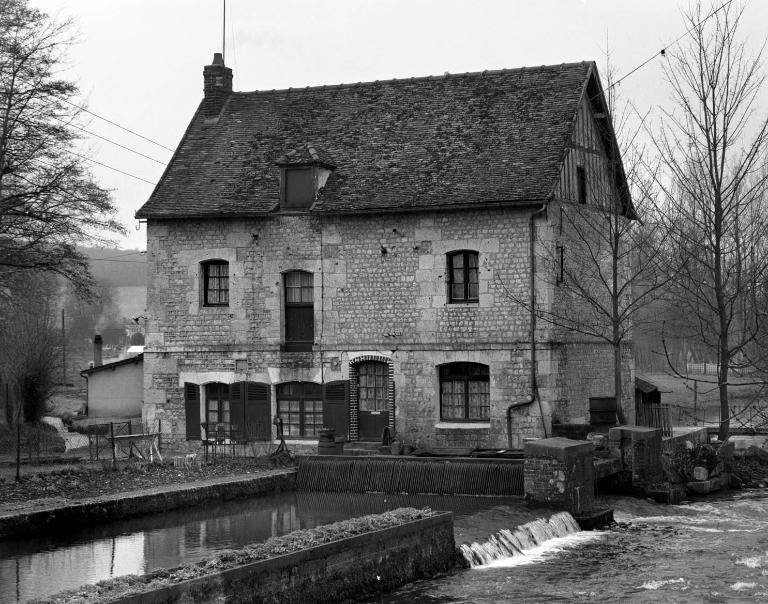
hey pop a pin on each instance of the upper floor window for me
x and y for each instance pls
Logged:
(464, 391)
(215, 283)
(298, 188)
(581, 183)
(299, 311)
(463, 283)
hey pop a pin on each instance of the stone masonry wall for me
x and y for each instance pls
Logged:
(380, 289)
(559, 472)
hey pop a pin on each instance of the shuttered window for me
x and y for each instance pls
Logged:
(336, 407)
(217, 405)
(250, 411)
(192, 410)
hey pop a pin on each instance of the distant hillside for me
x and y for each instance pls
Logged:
(117, 267)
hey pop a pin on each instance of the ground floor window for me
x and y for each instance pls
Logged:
(464, 391)
(300, 406)
(217, 404)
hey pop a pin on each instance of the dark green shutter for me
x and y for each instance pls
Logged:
(258, 412)
(237, 410)
(336, 407)
(192, 410)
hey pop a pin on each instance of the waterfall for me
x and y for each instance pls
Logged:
(507, 543)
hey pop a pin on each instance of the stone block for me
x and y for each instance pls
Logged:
(560, 448)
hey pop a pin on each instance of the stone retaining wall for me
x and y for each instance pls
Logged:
(332, 572)
(115, 507)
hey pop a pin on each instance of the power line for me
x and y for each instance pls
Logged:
(663, 51)
(120, 255)
(149, 182)
(115, 143)
(116, 124)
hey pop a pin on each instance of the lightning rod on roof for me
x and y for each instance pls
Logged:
(224, 32)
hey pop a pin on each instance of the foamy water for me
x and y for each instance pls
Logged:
(710, 550)
(545, 551)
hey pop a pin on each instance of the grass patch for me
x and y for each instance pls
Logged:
(276, 546)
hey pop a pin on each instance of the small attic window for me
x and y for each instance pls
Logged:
(298, 188)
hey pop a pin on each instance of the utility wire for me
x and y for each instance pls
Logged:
(116, 124)
(85, 157)
(120, 255)
(157, 161)
(663, 51)
(110, 260)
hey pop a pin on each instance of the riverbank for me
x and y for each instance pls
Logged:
(44, 516)
(71, 483)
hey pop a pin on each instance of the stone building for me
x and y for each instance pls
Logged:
(354, 256)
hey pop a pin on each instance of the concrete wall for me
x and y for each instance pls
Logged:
(380, 291)
(334, 572)
(116, 392)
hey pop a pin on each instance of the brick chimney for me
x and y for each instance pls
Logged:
(217, 86)
(97, 342)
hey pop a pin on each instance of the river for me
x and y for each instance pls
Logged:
(713, 550)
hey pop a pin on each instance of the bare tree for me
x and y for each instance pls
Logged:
(30, 355)
(714, 155)
(48, 200)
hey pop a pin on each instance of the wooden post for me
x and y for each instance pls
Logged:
(18, 447)
(112, 444)
(159, 434)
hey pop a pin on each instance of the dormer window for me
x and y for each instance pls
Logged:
(298, 189)
(303, 173)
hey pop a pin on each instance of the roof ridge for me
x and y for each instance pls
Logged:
(406, 80)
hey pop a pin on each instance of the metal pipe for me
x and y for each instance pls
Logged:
(534, 389)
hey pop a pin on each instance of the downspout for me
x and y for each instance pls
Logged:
(533, 385)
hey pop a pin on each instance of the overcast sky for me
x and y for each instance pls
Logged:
(139, 62)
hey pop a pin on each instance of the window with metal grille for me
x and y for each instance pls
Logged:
(215, 283)
(300, 406)
(299, 311)
(465, 391)
(463, 281)
(373, 388)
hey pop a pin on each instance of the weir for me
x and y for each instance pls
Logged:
(414, 475)
(509, 543)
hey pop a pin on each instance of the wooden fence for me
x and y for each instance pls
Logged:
(654, 416)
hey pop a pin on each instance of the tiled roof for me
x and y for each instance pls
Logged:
(139, 358)
(490, 137)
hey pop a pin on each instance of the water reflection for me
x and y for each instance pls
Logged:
(38, 567)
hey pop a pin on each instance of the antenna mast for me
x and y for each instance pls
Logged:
(224, 33)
